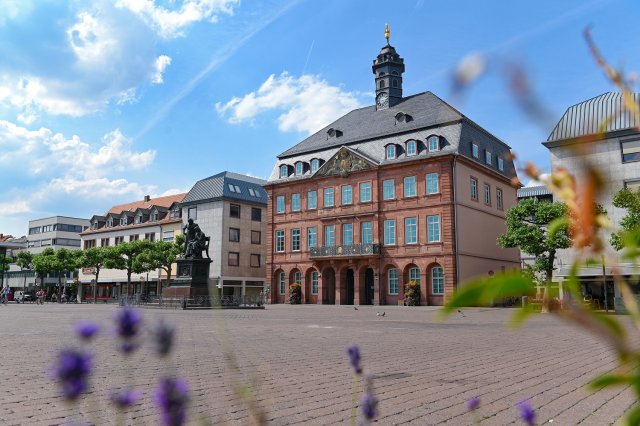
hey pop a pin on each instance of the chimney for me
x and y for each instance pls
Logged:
(146, 198)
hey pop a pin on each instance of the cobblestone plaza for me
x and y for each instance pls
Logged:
(424, 370)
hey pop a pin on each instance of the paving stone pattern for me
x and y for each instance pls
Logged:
(294, 356)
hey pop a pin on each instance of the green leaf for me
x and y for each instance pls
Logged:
(519, 318)
(633, 418)
(609, 380)
(484, 291)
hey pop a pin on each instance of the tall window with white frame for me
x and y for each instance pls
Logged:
(328, 197)
(433, 228)
(347, 195)
(410, 230)
(299, 168)
(388, 191)
(284, 172)
(314, 282)
(295, 202)
(487, 194)
(389, 232)
(475, 150)
(434, 143)
(414, 275)
(365, 192)
(367, 233)
(500, 164)
(487, 158)
(391, 152)
(474, 188)
(499, 202)
(432, 183)
(312, 237)
(330, 235)
(280, 241)
(410, 186)
(393, 278)
(297, 277)
(282, 282)
(411, 148)
(312, 200)
(315, 165)
(280, 204)
(295, 240)
(437, 280)
(347, 234)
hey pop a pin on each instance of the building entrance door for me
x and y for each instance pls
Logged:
(350, 287)
(368, 286)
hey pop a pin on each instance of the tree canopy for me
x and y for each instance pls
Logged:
(629, 200)
(537, 228)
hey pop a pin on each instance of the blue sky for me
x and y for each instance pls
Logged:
(102, 102)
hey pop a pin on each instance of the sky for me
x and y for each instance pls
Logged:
(103, 102)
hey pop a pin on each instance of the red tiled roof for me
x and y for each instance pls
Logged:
(159, 201)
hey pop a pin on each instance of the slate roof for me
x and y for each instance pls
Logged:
(586, 117)
(426, 109)
(217, 187)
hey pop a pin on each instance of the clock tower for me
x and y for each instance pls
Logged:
(388, 68)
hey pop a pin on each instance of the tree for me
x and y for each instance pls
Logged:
(58, 261)
(95, 258)
(629, 200)
(528, 228)
(129, 257)
(163, 255)
(24, 262)
(5, 261)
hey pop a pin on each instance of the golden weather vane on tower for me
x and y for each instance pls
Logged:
(387, 33)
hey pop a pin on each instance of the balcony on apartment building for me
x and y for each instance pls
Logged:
(352, 250)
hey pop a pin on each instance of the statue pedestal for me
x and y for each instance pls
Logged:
(192, 279)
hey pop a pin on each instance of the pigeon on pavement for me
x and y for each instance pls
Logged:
(383, 314)
(461, 313)
(377, 313)
(355, 307)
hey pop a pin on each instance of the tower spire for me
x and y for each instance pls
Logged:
(387, 33)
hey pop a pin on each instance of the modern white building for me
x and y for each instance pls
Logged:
(615, 151)
(55, 232)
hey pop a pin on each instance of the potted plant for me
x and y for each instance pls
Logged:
(295, 294)
(412, 294)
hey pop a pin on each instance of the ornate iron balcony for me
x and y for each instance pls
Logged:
(345, 251)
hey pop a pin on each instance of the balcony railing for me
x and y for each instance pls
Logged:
(345, 251)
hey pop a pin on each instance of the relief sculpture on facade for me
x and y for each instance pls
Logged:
(343, 163)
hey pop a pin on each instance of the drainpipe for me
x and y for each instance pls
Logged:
(455, 218)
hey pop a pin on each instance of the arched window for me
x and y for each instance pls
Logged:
(434, 143)
(315, 165)
(414, 275)
(382, 84)
(437, 280)
(283, 171)
(299, 168)
(394, 83)
(281, 282)
(411, 148)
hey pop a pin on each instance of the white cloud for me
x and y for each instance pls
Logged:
(15, 207)
(93, 188)
(171, 23)
(162, 62)
(310, 103)
(543, 180)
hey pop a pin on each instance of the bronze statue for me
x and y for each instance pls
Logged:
(195, 241)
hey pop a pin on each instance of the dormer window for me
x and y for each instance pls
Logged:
(154, 216)
(123, 221)
(138, 219)
(433, 143)
(411, 148)
(234, 188)
(94, 225)
(283, 171)
(487, 158)
(401, 117)
(176, 213)
(299, 168)
(500, 164)
(334, 133)
(391, 152)
(110, 223)
(315, 165)
(475, 151)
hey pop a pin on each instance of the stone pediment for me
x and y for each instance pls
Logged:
(344, 161)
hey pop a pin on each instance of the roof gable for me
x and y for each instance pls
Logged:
(343, 162)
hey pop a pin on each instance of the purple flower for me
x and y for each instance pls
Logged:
(72, 370)
(86, 330)
(126, 398)
(171, 397)
(128, 322)
(473, 403)
(526, 412)
(368, 405)
(354, 358)
(164, 339)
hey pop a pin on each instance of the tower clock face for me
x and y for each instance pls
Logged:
(382, 100)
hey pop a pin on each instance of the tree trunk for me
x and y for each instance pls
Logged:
(95, 287)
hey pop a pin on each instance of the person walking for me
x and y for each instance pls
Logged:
(4, 294)
(40, 297)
